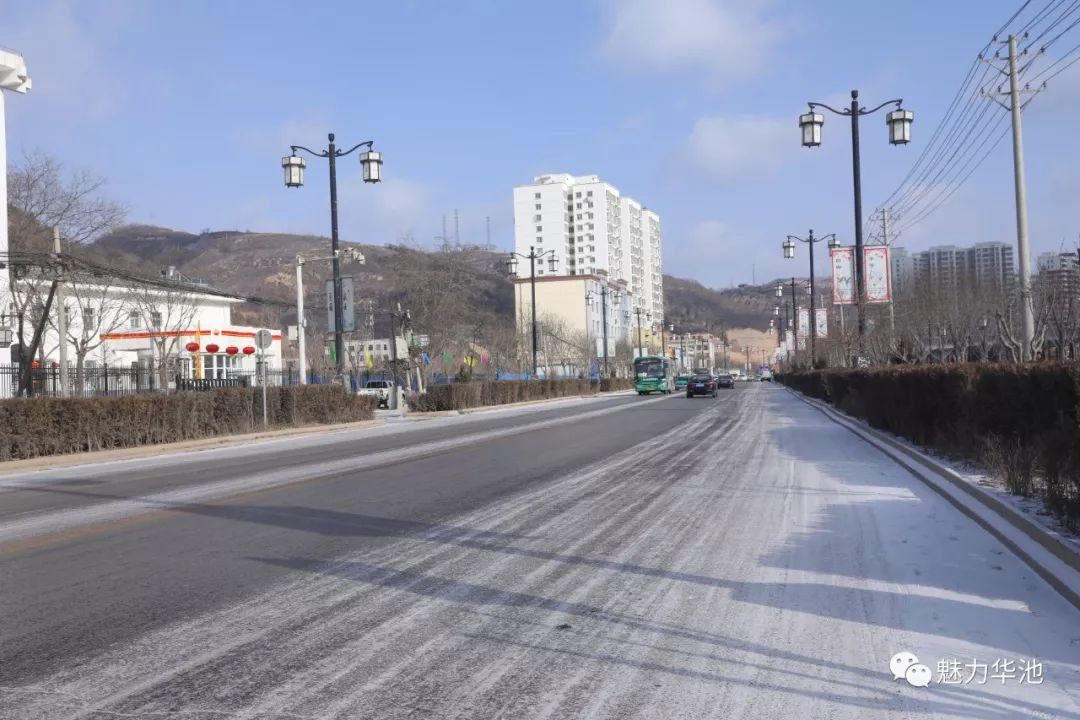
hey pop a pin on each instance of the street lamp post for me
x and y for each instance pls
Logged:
(899, 124)
(532, 257)
(615, 296)
(13, 77)
(294, 165)
(638, 311)
(663, 339)
(789, 253)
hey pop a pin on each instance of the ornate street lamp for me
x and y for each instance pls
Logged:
(789, 249)
(899, 126)
(371, 165)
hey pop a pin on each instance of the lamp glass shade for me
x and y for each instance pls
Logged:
(779, 290)
(511, 265)
(789, 249)
(810, 124)
(834, 242)
(294, 170)
(371, 163)
(553, 263)
(899, 122)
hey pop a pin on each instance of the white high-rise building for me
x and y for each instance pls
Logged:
(593, 229)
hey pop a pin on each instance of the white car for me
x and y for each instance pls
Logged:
(379, 389)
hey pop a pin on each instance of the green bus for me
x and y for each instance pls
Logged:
(652, 374)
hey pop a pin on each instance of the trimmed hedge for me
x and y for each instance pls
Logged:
(1022, 421)
(481, 393)
(35, 427)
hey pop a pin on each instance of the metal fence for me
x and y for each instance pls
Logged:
(101, 381)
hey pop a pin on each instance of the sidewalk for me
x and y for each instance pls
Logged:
(1051, 557)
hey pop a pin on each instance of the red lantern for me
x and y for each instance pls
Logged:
(232, 350)
(192, 347)
(212, 348)
(55, 364)
(249, 350)
(36, 364)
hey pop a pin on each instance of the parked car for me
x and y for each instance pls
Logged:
(701, 384)
(379, 389)
(681, 381)
(725, 381)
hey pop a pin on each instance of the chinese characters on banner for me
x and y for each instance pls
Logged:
(843, 275)
(821, 322)
(876, 265)
(804, 326)
(789, 339)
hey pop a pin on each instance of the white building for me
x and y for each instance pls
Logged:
(593, 229)
(187, 329)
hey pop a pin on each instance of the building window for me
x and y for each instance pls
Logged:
(588, 194)
(539, 229)
(155, 320)
(88, 317)
(134, 320)
(579, 216)
(537, 218)
(537, 206)
(537, 196)
(539, 239)
(579, 206)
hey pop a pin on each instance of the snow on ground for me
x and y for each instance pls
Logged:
(757, 561)
(1031, 508)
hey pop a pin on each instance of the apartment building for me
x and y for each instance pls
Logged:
(946, 268)
(593, 229)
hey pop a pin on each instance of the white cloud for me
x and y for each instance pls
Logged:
(726, 39)
(736, 148)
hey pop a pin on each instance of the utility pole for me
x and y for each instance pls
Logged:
(885, 241)
(457, 231)
(61, 316)
(301, 330)
(1027, 314)
(1014, 108)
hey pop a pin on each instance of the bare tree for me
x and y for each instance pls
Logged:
(45, 196)
(165, 312)
(95, 310)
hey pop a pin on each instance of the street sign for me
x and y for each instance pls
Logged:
(264, 339)
(348, 312)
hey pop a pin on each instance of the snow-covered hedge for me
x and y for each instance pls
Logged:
(1019, 420)
(33, 427)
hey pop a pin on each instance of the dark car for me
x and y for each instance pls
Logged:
(701, 385)
(725, 381)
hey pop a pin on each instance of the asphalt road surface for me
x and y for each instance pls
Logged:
(620, 557)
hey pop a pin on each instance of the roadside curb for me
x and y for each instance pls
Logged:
(1050, 558)
(59, 462)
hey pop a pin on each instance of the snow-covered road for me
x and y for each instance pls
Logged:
(735, 558)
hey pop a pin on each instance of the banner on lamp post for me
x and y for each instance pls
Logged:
(876, 264)
(821, 322)
(842, 260)
(804, 327)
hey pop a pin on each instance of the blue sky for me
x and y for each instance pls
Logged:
(688, 105)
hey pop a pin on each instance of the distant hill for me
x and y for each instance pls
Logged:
(452, 285)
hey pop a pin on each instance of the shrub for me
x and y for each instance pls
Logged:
(35, 427)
